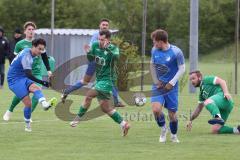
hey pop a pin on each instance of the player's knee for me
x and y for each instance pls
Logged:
(88, 99)
(208, 101)
(84, 82)
(156, 110)
(34, 88)
(172, 116)
(215, 129)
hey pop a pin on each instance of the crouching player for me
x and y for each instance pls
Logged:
(215, 97)
(21, 81)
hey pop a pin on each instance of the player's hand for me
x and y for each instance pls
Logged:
(50, 74)
(160, 85)
(189, 126)
(106, 44)
(168, 87)
(227, 96)
(86, 48)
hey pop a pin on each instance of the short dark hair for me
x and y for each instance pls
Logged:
(105, 32)
(29, 23)
(159, 35)
(38, 41)
(199, 74)
(104, 20)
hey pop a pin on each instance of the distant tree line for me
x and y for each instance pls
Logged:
(216, 18)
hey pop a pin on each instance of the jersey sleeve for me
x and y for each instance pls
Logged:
(27, 61)
(94, 38)
(180, 58)
(91, 53)
(200, 98)
(17, 48)
(114, 51)
(152, 57)
(209, 80)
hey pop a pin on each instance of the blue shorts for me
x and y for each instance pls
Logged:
(168, 100)
(20, 87)
(91, 68)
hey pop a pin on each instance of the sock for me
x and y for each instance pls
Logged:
(115, 95)
(38, 94)
(74, 87)
(27, 114)
(173, 126)
(225, 129)
(213, 109)
(117, 117)
(34, 103)
(236, 130)
(14, 103)
(160, 120)
(82, 111)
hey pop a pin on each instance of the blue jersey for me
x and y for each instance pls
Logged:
(21, 62)
(94, 38)
(166, 62)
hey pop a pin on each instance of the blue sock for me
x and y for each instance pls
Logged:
(27, 114)
(160, 120)
(73, 88)
(38, 94)
(115, 95)
(173, 127)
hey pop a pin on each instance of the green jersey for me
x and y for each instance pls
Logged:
(208, 88)
(37, 61)
(105, 65)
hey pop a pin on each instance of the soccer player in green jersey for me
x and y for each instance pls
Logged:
(29, 30)
(215, 97)
(105, 55)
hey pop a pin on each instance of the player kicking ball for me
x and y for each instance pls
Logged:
(21, 81)
(214, 96)
(105, 55)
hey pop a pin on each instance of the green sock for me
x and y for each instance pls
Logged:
(81, 111)
(34, 103)
(117, 117)
(213, 109)
(225, 129)
(14, 103)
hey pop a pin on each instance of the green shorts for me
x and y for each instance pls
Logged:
(104, 89)
(225, 106)
(103, 95)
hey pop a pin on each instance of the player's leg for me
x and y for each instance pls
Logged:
(14, 103)
(86, 79)
(37, 94)
(2, 74)
(22, 93)
(92, 93)
(34, 100)
(171, 103)
(213, 105)
(226, 107)
(157, 102)
(115, 95)
(27, 112)
(103, 98)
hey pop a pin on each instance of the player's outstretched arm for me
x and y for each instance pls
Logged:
(28, 73)
(224, 87)
(194, 115)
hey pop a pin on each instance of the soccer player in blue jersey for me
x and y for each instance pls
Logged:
(21, 80)
(167, 65)
(104, 25)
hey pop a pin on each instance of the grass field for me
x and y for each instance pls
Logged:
(100, 138)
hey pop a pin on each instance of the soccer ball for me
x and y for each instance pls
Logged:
(139, 99)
